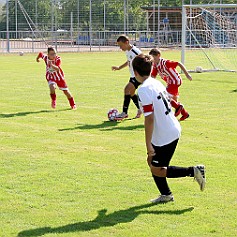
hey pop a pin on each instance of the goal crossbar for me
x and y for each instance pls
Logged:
(211, 6)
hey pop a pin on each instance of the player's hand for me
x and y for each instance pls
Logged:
(115, 68)
(189, 77)
(149, 159)
(150, 154)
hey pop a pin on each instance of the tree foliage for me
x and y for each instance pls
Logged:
(58, 14)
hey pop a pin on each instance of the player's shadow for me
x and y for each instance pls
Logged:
(102, 220)
(104, 126)
(19, 114)
(234, 91)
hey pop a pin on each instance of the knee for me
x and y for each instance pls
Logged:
(158, 171)
(52, 89)
(175, 98)
(127, 90)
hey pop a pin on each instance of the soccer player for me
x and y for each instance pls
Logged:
(129, 90)
(167, 70)
(162, 131)
(55, 76)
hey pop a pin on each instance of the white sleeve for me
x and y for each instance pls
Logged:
(145, 101)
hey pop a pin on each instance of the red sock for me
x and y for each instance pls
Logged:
(71, 102)
(174, 104)
(183, 111)
(53, 96)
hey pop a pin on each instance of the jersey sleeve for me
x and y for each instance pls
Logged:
(171, 64)
(145, 101)
(154, 71)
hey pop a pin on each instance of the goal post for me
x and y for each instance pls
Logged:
(209, 37)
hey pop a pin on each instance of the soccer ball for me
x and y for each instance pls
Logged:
(112, 114)
(21, 53)
(199, 69)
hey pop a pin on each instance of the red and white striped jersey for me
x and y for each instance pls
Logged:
(51, 74)
(167, 70)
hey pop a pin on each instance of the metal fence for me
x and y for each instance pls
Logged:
(28, 41)
(77, 25)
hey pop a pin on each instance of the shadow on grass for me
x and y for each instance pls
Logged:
(19, 114)
(102, 220)
(234, 91)
(104, 126)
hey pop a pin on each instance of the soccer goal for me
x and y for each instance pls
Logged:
(209, 37)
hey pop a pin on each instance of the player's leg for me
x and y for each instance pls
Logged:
(129, 93)
(173, 91)
(126, 102)
(161, 170)
(158, 167)
(134, 97)
(52, 87)
(63, 86)
(70, 98)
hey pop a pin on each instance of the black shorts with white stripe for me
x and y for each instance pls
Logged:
(134, 81)
(164, 154)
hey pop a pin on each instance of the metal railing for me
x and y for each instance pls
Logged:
(71, 41)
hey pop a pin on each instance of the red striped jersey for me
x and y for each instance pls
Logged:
(51, 74)
(167, 70)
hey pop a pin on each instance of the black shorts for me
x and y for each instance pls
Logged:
(134, 81)
(164, 154)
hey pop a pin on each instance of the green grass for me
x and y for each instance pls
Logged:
(70, 173)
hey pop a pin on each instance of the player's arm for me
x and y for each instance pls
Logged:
(146, 106)
(149, 126)
(183, 68)
(115, 68)
(55, 67)
(40, 55)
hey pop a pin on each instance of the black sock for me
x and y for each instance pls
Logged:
(176, 172)
(126, 103)
(135, 100)
(162, 185)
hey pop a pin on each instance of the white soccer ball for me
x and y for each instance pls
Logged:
(199, 69)
(112, 114)
(21, 53)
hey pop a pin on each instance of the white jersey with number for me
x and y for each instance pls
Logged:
(153, 99)
(131, 54)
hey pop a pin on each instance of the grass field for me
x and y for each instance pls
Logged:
(72, 173)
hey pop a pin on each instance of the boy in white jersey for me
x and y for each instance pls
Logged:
(162, 131)
(130, 88)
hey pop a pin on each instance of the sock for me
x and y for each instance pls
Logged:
(126, 103)
(135, 100)
(176, 172)
(71, 102)
(183, 111)
(162, 185)
(53, 96)
(174, 104)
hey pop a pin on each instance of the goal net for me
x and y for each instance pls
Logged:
(209, 37)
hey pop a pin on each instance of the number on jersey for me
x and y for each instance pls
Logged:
(165, 101)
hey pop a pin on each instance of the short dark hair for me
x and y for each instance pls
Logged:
(154, 52)
(142, 64)
(51, 49)
(123, 39)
